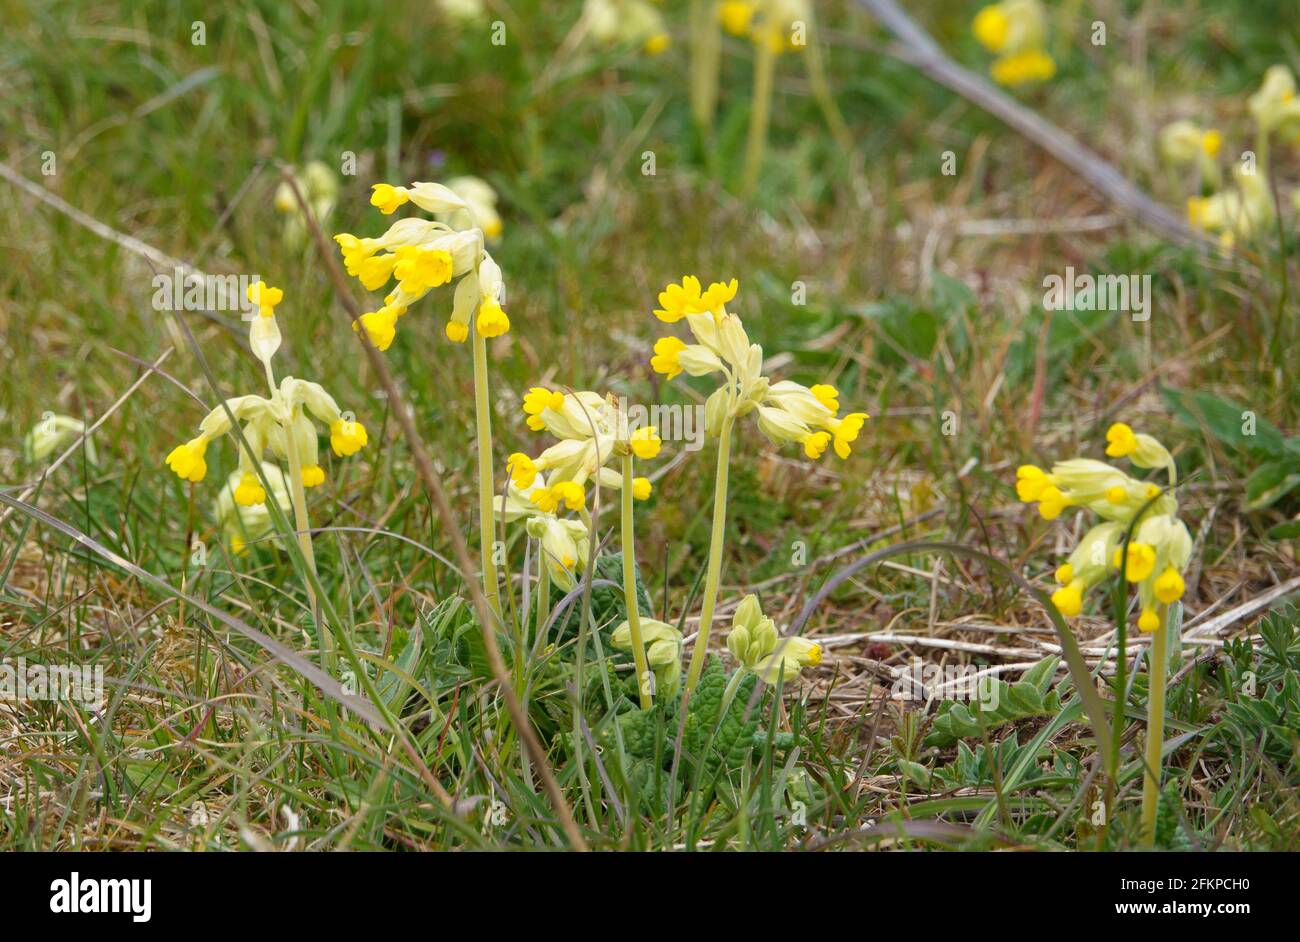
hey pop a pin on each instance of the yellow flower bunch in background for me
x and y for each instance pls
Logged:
(1275, 106)
(1186, 144)
(1016, 32)
(319, 187)
(780, 25)
(1245, 208)
(481, 200)
(786, 411)
(631, 22)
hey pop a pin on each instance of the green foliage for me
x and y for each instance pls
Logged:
(1170, 833)
(1032, 695)
(1263, 689)
(972, 768)
(1277, 458)
(608, 608)
(715, 743)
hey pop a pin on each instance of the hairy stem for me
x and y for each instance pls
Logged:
(760, 109)
(486, 512)
(714, 571)
(706, 51)
(1155, 725)
(629, 589)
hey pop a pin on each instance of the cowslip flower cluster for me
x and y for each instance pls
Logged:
(631, 22)
(755, 643)
(1016, 32)
(423, 254)
(1185, 144)
(564, 541)
(278, 423)
(592, 430)
(52, 433)
(1160, 545)
(1275, 107)
(242, 524)
(780, 25)
(786, 411)
(1245, 207)
(663, 652)
(320, 189)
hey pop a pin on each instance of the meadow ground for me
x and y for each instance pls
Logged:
(917, 292)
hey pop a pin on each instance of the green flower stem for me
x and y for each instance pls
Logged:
(714, 573)
(706, 52)
(543, 590)
(302, 524)
(486, 512)
(1155, 725)
(629, 587)
(760, 109)
(729, 694)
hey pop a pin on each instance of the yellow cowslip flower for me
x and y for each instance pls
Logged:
(626, 22)
(564, 542)
(1275, 107)
(426, 254)
(536, 401)
(756, 645)
(786, 411)
(52, 433)
(1160, 545)
(781, 25)
(249, 491)
(736, 16)
(641, 488)
(592, 430)
(1185, 144)
(264, 422)
(1016, 32)
(665, 359)
(1237, 212)
(243, 523)
(568, 494)
(1023, 68)
(1011, 27)
(663, 649)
